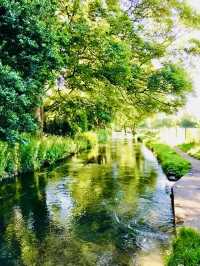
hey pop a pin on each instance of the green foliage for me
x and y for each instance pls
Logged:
(188, 122)
(3, 157)
(193, 149)
(16, 107)
(28, 155)
(86, 140)
(165, 122)
(185, 249)
(75, 115)
(103, 52)
(109, 72)
(103, 135)
(171, 79)
(172, 163)
(186, 146)
(195, 152)
(28, 54)
(35, 152)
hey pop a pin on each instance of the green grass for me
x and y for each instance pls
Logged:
(86, 140)
(103, 135)
(35, 152)
(172, 163)
(186, 146)
(185, 249)
(193, 149)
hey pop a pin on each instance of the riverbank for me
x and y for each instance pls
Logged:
(36, 152)
(173, 164)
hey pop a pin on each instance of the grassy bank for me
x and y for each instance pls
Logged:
(172, 163)
(193, 149)
(33, 153)
(185, 249)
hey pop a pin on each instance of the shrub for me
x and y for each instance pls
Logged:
(86, 140)
(102, 135)
(185, 249)
(172, 163)
(186, 146)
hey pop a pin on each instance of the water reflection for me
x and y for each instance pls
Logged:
(103, 207)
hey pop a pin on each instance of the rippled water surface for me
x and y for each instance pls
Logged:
(107, 207)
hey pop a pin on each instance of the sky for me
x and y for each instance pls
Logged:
(195, 3)
(193, 105)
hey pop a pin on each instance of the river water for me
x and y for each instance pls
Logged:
(109, 206)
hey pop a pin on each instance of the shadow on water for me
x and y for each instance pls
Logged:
(103, 207)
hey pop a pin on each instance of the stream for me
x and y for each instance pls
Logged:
(109, 206)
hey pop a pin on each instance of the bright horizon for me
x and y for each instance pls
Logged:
(193, 104)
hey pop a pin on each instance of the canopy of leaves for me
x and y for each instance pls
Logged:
(28, 54)
(107, 53)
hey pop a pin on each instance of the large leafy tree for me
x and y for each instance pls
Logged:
(106, 50)
(28, 55)
(109, 50)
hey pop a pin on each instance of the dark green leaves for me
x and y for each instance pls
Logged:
(28, 54)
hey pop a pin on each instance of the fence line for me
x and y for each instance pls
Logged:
(175, 136)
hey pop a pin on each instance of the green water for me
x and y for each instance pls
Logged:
(109, 206)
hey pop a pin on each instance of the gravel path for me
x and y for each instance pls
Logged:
(187, 195)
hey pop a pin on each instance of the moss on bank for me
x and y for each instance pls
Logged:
(185, 249)
(33, 153)
(172, 163)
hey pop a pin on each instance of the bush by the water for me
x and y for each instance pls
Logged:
(34, 152)
(172, 163)
(103, 135)
(185, 249)
(192, 149)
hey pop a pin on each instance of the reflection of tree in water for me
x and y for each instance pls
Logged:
(105, 193)
(9, 251)
(32, 203)
(26, 222)
(106, 200)
(97, 155)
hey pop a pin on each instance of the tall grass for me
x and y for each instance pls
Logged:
(3, 157)
(86, 140)
(185, 249)
(172, 163)
(103, 135)
(36, 152)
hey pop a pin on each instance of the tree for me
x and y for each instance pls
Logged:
(28, 55)
(188, 121)
(108, 53)
(103, 52)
